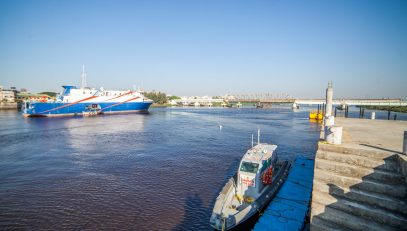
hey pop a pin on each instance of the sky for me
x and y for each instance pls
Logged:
(205, 47)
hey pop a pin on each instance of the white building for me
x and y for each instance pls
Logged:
(6, 95)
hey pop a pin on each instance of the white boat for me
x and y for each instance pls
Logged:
(92, 110)
(74, 101)
(259, 177)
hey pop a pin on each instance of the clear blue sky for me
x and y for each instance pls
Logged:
(208, 47)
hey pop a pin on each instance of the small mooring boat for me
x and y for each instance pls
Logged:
(258, 179)
(92, 110)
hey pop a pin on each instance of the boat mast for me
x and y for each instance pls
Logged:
(83, 76)
(258, 136)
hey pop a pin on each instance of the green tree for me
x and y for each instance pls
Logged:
(174, 97)
(49, 93)
(157, 97)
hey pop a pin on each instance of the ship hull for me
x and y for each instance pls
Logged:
(69, 109)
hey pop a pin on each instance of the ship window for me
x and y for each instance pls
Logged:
(249, 167)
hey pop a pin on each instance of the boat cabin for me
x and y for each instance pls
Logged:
(254, 168)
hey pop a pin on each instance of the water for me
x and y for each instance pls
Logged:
(156, 171)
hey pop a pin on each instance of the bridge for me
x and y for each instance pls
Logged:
(268, 99)
(353, 102)
(295, 102)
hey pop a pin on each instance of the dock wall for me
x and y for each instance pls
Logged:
(6, 105)
(362, 183)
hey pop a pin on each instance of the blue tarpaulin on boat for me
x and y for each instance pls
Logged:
(287, 211)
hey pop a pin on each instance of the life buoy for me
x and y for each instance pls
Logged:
(268, 176)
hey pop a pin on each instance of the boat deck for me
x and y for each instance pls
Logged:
(288, 210)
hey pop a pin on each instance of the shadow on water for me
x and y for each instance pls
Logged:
(377, 201)
(192, 218)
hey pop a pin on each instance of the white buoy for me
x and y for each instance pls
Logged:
(220, 127)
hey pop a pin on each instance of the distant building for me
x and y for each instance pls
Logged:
(7, 95)
(33, 97)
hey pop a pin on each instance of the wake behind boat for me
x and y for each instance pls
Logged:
(259, 177)
(88, 101)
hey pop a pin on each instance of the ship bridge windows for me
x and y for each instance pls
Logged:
(249, 167)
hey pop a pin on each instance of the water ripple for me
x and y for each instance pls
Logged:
(160, 171)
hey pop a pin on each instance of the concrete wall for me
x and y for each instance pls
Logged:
(403, 166)
(4, 105)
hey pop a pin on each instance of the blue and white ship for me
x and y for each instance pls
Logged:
(88, 101)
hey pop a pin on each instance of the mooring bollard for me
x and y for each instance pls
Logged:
(405, 143)
(333, 134)
(346, 111)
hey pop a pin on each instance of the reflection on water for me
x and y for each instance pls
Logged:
(157, 171)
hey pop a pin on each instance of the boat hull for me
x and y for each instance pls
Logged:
(258, 205)
(69, 109)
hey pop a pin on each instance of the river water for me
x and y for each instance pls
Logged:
(155, 171)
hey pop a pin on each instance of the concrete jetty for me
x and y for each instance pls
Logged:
(361, 184)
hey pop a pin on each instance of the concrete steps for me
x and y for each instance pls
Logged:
(392, 204)
(319, 224)
(345, 169)
(357, 189)
(389, 165)
(362, 210)
(344, 219)
(369, 153)
(358, 183)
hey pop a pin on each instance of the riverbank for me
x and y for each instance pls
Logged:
(387, 108)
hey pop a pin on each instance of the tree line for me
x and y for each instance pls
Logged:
(157, 97)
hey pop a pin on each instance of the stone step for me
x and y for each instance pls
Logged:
(384, 165)
(319, 224)
(360, 209)
(382, 201)
(362, 184)
(364, 151)
(345, 219)
(345, 169)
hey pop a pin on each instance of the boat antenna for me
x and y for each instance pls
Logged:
(83, 76)
(258, 136)
(252, 139)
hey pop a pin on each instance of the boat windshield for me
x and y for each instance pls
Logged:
(249, 167)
